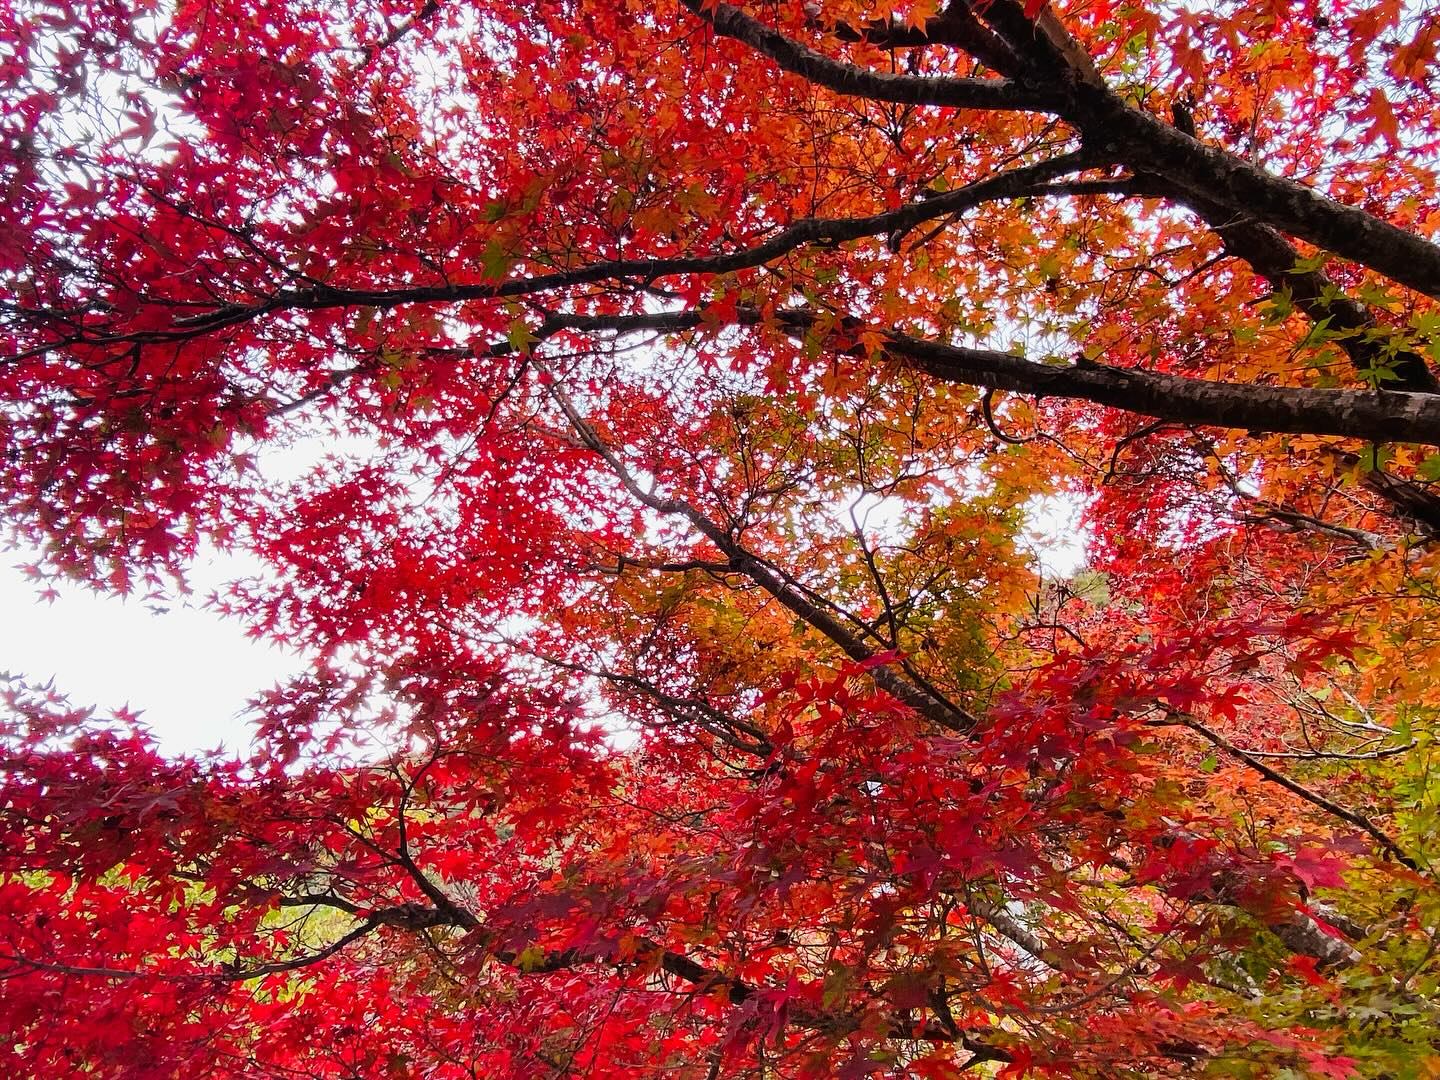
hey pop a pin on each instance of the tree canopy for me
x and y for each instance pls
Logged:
(699, 390)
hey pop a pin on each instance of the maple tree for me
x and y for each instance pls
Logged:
(684, 695)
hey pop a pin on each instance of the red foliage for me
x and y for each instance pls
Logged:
(682, 694)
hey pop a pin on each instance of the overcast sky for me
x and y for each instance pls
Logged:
(186, 669)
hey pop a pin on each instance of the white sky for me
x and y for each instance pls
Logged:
(186, 669)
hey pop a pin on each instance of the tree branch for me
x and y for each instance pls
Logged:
(1024, 181)
(1360, 821)
(237, 975)
(925, 702)
(1205, 175)
(1375, 416)
(852, 81)
(955, 27)
(1370, 415)
(1208, 177)
(1354, 326)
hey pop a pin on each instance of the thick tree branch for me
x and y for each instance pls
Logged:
(1206, 176)
(956, 27)
(852, 81)
(1416, 502)
(1210, 178)
(1048, 54)
(1069, 85)
(1034, 180)
(1375, 416)
(1295, 520)
(1354, 327)
(1371, 415)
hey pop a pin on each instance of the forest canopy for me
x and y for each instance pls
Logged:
(700, 390)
